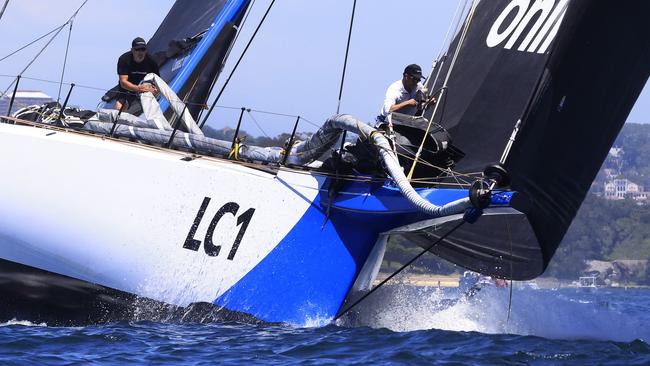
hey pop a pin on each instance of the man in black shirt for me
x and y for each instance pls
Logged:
(132, 67)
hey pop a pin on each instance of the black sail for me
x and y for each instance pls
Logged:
(186, 19)
(599, 66)
(491, 82)
(185, 29)
(192, 44)
(571, 72)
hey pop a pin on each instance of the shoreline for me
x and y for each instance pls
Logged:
(452, 281)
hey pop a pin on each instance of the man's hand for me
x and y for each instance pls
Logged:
(147, 88)
(430, 102)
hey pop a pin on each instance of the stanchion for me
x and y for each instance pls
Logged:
(234, 139)
(291, 139)
(65, 103)
(13, 96)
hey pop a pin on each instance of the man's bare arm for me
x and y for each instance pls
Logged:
(406, 103)
(142, 88)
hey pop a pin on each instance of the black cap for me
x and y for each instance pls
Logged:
(138, 43)
(414, 70)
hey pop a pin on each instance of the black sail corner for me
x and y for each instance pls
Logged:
(571, 71)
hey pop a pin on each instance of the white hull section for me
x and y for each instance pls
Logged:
(118, 214)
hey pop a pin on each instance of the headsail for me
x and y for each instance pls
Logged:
(192, 43)
(493, 79)
(571, 70)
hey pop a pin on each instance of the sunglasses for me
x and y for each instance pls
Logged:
(140, 49)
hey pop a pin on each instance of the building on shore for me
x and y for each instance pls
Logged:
(621, 188)
(24, 98)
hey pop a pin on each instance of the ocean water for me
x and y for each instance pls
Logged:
(397, 325)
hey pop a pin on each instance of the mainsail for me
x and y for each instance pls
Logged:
(570, 71)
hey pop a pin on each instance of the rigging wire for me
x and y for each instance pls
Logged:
(403, 267)
(216, 106)
(29, 64)
(4, 7)
(441, 169)
(227, 54)
(455, 21)
(347, 52)
(259, 126)
(461, 40)
(309, 122)
(32, 42)
(232, 72)
(451, 173)
(302, 170)
(45, 46)
(345, 65)
(65, 60)
(455, 24)
(240, 27)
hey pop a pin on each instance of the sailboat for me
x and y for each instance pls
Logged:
(531, 95)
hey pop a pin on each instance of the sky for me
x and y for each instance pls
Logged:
(293, 66)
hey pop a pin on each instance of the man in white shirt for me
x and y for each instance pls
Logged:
(403, 95)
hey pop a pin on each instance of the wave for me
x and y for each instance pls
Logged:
(563, 314)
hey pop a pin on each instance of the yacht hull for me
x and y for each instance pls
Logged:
(151, 223)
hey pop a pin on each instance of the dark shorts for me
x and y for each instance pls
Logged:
(127, 97)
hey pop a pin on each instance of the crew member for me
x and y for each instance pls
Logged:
(132, 67)
(403, 96)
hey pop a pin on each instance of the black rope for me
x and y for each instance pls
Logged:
(400, 269)
(236, 65)
(65, 61)
(4, 7)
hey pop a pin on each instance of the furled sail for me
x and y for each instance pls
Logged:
(571, 71)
